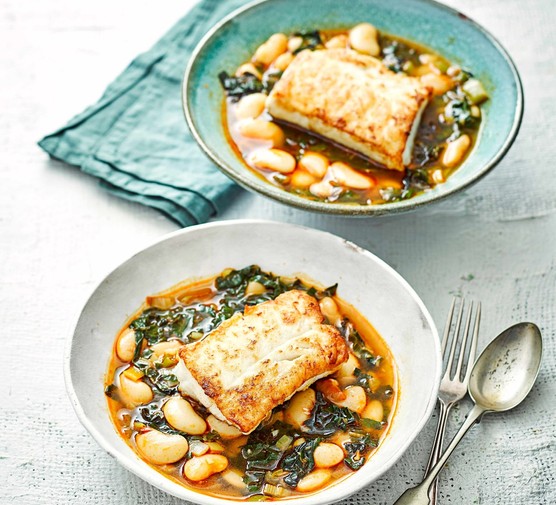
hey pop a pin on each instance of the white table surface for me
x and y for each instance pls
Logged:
(60, 233)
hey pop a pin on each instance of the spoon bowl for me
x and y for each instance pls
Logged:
(507, 369)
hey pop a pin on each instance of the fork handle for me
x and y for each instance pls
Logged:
(437, 445)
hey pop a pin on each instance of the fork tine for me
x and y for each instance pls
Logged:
(448, 325)
(461, 357)
(474, 340)
(454, 340)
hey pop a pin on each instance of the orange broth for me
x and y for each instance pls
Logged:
(129, 420)
(448, 116)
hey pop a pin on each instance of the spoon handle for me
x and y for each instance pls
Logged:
(418, 495)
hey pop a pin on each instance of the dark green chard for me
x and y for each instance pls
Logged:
(319, 295)
(157, 325)
(300, 461)
(327, 418)
(270, 79)
(268, 463)
(364, 380)
(424, 153)
(235, 283)
(164, 382)
(237, 87)
(397, 56)
(360, 443)
(309, 40)
(151, 416)
(262, 453)
(358, 345)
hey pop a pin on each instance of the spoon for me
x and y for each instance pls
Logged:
(500, 380)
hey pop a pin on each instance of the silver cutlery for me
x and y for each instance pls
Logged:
(500, 380)
(453, 386)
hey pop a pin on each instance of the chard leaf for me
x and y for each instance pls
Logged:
(300, 461)
(254, 480)
(358, 345)
(310, 40)
(261, 456)
(327, 418)
(357, 448)
(319, 295)
(424, 154)
(363, 380)
(241, 85)
(371, 424)
(391, 58)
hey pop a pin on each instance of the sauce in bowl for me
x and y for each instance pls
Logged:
(321, 435)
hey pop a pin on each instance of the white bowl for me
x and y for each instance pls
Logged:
(365, 281)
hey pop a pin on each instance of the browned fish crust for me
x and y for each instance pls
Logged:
(353, 100)
(256, 361)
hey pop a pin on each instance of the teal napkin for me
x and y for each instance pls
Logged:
(135, 140)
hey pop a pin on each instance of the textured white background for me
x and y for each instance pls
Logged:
(60, 233)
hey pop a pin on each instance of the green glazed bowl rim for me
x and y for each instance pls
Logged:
(280, 195)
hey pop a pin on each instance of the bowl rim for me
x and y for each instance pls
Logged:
(282, 196)
(137, 466)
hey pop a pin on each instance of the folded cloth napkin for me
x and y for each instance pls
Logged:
(135, 140)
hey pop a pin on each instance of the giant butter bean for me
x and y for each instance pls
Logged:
(330, 310)
(262, 130)
(349, 177)
(314, 163)
(302, 179)
(315, 480)
(161, 448)
(439, 83)
(125, 346)
(134, 393)
(356, 399)
(455, 151)
(202, 467)
(347, 368)
(374, 410)
(364, 39)
(169, 348)
(337, 42)
(323, 189)
(255, 288)
(251, 106)
(283, 61)
(328, 455)
(225, 430)
(180, 414)
(300, 407)
(273, 159)
(294, 44)
(267, 52)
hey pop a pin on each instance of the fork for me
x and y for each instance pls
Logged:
(452, 387)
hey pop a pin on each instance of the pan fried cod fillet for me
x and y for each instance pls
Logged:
(353, 100)
(256, 361)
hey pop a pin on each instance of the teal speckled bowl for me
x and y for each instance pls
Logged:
(452, 34)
